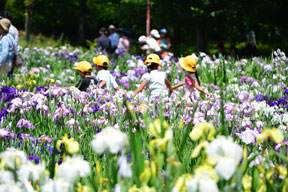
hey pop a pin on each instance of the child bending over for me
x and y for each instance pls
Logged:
(84, 69)
(104, 77)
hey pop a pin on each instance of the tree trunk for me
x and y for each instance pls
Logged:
(28, 20)
(2, 5)
(201, 38)
(148, 18)
(81, 31)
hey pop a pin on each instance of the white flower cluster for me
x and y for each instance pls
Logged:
(226, 154)
(29, 174)
(110, 139)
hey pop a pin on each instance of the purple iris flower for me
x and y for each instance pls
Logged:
(174, 59)
(243, 79)
(26, 136)
(60, 161)
(41, 89)
(8, 93)
(148, 154)
(6, 133)
(34, 158)
(163, 175)
(98, 131)
(121, 53)
(129, 159)
(45, 138)
(139, 57)
(25, 123)
(51, 148)
(3, 113)
(95, 108)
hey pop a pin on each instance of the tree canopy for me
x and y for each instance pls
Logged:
(191, 24)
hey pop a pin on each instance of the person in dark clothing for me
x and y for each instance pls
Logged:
(103, 41)
(251, 48)
(221, 51)
(84, 69)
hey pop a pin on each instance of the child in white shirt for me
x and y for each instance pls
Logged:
(105, 79)
(155, 80)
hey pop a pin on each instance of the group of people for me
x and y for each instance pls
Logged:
(154, 80)
(8, 44)
(113, 43)
(156, 43)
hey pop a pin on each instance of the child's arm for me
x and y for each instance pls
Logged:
(168, 84)
(117, 88)
(199, 88)
(140, 88)
(102, 84)
(178, 85)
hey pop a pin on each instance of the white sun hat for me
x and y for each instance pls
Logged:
(155, 33)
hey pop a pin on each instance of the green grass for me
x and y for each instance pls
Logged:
(39, 40)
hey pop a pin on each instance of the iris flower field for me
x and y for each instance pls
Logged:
(54, 138)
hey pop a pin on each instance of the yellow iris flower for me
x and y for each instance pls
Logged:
(180, 184)
(71, 146)
(247, 182)
(200, 129)
(274, 134)
(155, 127)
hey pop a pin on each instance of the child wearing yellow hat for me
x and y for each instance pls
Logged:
(155, 80)
(191, 81)
(84, 69)
(104, 77)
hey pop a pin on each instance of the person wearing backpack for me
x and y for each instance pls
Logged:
(7, 47)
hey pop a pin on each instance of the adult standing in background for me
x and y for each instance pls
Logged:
(7, 44)
(164, 42)
(124, 45)
(114, 38)
(103, 41)
(251, 44)
(13, 31)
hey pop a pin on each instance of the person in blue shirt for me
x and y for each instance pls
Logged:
(114, 38)
(7, 44)
(164, 42)
(13, 31)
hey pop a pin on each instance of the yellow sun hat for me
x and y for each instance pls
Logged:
(84, 66)
(188, 63)
(101, 60)
(153, 58)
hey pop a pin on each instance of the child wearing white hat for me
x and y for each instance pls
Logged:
(152, 45)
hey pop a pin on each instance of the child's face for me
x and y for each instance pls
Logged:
(81, 74)
(97, 68)
(2, 31)
(148, 64)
